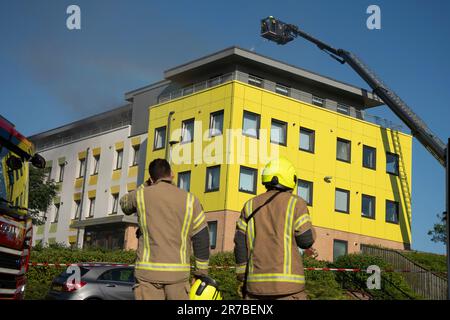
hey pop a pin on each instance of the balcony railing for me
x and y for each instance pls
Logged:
(360, 114)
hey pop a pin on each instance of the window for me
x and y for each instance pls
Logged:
(250, 124)
(369, 157)
(184, 180)
(77, 209)
(91, 207)
(392, 163)
(305, 191)
(118, 275)
(340, 248)
(255, 81)
(342, 200)
(247, 180)
(187, 131)
(81, 164)
(212, 178)
(368, 206)
(343, 152)
(160, 138)
(48, 173)
(212, 226)
(282, 89)
(392, 211)
(56, 216)
(216, 124)
(342, 108)
(96, 164)
(135, 155)
(278, 132)
(61, 172)
(318, 101)
(119, 159)
(114, 202)
(307, 138)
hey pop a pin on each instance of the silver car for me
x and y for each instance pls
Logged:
(96, 283)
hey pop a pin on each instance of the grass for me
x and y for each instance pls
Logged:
(430, 261)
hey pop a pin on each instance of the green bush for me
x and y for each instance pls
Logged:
(393, 285)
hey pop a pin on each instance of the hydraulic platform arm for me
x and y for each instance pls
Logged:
(282, 33)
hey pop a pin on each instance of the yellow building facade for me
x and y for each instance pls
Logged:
(355, 174)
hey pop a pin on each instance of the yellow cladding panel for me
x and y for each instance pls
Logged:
(132, 171)
(77, 196)
(96, 151)
(78, 183)
(135, 141)
(92, 194)
(93, 180)
(57, 200)
(82, 155)
(53, 227)
(119, 145)
(131, 186)
(235, 97)
(116, 174)
(40, 230)
(115, 189)
(72, 239)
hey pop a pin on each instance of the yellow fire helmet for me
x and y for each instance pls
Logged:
(205, 288)
(279, 173)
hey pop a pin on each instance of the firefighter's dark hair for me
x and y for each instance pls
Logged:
(159, 168)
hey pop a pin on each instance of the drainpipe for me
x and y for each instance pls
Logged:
(83, 190)
(169, 118)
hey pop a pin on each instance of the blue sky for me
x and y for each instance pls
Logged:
(51, 76)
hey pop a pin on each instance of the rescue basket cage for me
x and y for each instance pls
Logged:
(275, 30)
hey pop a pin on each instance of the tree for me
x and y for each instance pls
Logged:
(41, 193)
(438, 233)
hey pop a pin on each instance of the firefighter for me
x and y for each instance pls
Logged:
(169, 220)
(271, 226)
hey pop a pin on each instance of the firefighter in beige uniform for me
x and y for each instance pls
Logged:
(270, 228)
(169, 220)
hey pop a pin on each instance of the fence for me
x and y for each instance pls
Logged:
(422, 281)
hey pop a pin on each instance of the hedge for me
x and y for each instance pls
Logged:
(319, 284)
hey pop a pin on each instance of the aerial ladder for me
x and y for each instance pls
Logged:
(282, 33)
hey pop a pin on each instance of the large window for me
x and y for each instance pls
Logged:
(187, 131)
(282, 89)
(392, 163)
(340, 248)
(255, 81)
(216, 124)
(212, 226)
(250, 124)
(343, 148)
(61, 172)
(96, 164)
(247, 180)
(184, 180)
(81, 164)
(91, 207)
(136, 149)
(342, 200)
(305, 191)
(392, 211)
(368, 206)
(212, 179)
(342, 108)
(160, 138)
(114, 203)
(320, 102)
(369, 157)
(278, 132)
(119, 159)
(307, 138)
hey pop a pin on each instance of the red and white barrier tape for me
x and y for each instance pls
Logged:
(60, 265)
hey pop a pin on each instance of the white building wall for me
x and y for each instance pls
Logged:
(107, 142)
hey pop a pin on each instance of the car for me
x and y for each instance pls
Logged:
(99, 282)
